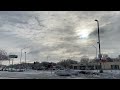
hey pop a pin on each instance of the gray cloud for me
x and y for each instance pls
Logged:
(59, 33)
(102, 31)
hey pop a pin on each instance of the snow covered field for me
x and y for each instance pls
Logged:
(32, 74)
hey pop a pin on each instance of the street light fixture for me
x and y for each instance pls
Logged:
(101, 71)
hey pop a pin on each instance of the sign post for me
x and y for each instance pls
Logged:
(12, 57)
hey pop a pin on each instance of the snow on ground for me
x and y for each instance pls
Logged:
(108, 74)
(33, 74)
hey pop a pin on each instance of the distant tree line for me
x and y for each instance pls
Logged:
(64, 64)
(67, 63)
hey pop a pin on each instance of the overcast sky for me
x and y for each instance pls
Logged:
(59, 34)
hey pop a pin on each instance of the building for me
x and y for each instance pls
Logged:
(96, 65)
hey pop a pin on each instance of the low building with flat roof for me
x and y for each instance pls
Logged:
(115, 65)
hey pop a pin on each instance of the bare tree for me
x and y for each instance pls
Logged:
(84, 60)
(3, 55)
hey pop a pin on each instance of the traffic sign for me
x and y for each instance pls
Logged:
(13, 56)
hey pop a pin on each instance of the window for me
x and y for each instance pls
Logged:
(82, 67)
(91, 67)
(114, 66)
(97, 67)
(75, 67)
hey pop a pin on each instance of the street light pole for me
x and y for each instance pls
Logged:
(25, 61)
(20, 59)
(101, 71)
(25, 57)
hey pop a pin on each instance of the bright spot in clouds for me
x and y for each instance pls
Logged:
(83, 34)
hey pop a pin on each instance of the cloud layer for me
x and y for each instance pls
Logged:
(59, 34)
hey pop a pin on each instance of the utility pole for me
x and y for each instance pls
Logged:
(101, 71)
